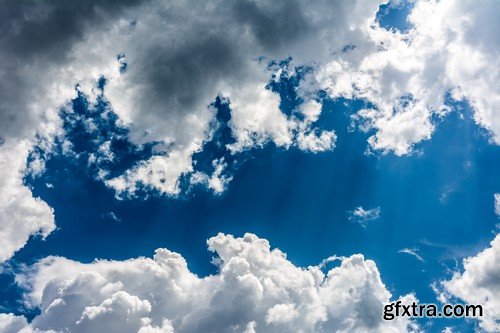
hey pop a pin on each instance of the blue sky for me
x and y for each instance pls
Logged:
(436, 199)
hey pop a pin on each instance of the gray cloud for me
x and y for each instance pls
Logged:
(37, 36)
(275, 25)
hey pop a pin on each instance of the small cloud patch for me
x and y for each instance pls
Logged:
(414, 251)
(363, 216)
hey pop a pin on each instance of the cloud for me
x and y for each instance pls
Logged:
(479, 283)
(176, 68)
(21, 215)
(256, 289)
(448, 51)
(12, 324)
(413, 252)
(112, 216)
(497, 204)
(38, 42)
(363, 216)
(217, 181)
(309, 139)
(166, 63)
(36, 39)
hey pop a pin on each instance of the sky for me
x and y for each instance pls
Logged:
(219, 166)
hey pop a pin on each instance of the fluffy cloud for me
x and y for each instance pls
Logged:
(256, 289)
(12, 324)
(164, 64)
(217, 181)
(176, 58)
(407, 76)
(35, 80)
(21, 215)
(479, 283)
(177, 67)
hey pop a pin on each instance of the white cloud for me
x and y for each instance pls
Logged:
(217, 181)
(281, 313)
(363, 216)
(448, 49)
(311, 110)
(257, 119)
(479, 283)
(413, 252)
(166, 327)
(256, 290)
(316, 142)
(309, 139)
(112, 216)
(497, 204)
(159, 172)
(35, 81)
(21, 215)
(12, 324)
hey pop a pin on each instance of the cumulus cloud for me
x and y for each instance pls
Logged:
(256, 290)
(448, 50)
(363, 216)
(21, 215)
(176, 67)
(38, 41)
(10, 323)
(479, 283)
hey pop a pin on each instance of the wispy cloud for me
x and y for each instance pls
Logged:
(112, 216)
(497, 204)
(413, 252)
(363, 216)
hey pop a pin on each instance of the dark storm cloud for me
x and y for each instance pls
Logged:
(181, 56)
(178, 77)
(48, 28)
(280, 23)
(177, 64)
(35, 36)
(37, 40)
